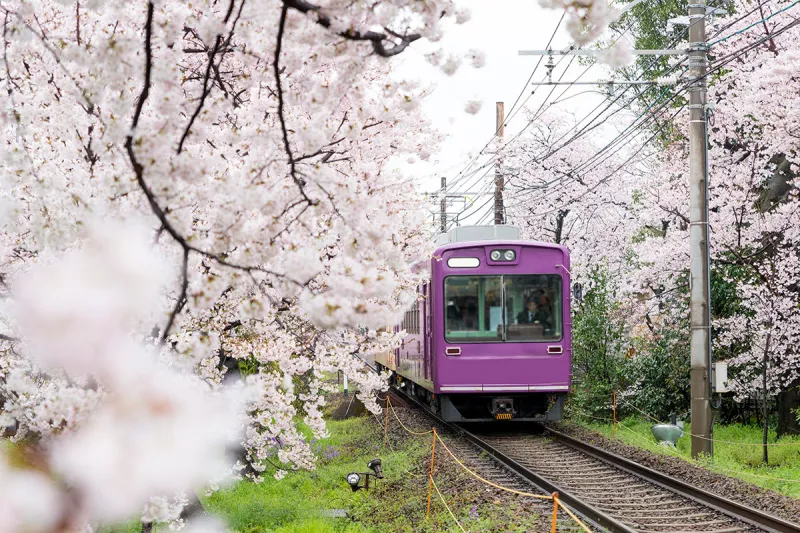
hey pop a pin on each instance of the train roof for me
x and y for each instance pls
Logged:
(503, 242)
(467, 236)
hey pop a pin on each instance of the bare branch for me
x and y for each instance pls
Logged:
(181, 297)
(218, 45)
(377, 39)
(287, 145)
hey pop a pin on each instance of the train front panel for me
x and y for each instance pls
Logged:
(500, 331)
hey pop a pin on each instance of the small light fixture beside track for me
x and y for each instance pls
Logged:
(354, 478)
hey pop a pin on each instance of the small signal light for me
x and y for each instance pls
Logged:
(496, 255)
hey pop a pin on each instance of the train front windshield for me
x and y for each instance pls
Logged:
(476, 310)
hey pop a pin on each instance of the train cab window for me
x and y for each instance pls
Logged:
(473, 310)
(533, 307)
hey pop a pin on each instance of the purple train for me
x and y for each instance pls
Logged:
(490, 336)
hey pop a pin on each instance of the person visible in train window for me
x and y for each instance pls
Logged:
(532, 314)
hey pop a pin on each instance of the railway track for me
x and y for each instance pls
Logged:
(492, 470)
(611, 492)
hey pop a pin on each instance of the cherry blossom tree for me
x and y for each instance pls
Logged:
(561, 194)
(753, 202)
(200, 222)
(638, 216)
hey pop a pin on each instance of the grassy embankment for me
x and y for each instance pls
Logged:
(396, 504)
(737, 452)
(297, 503)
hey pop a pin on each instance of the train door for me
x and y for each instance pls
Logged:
(426, 331)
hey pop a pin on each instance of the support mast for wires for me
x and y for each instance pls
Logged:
(700, 299)
(499, 181)
(443, 207)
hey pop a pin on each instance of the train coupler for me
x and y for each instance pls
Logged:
(502, 408)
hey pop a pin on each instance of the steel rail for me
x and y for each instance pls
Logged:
(730, 508)
(591, 514)
(586, 510)
(737, 511)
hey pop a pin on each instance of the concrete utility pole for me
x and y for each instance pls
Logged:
(499, 181)
(700, 297)
(443, 207)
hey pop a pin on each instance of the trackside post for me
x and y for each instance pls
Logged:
(615, 413)
(554, 523)
(386, 427)
(430, 476)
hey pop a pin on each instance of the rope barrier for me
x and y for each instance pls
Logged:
(447, 506)
(432, 484)
(404, 426)
(715, 467)
(386, 429)
(572, 515)
(487, 482)
(433, 454)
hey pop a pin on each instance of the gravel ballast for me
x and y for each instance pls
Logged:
(731, 488)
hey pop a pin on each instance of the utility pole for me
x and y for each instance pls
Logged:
(443, 207)
(499, 181)
(700, 293)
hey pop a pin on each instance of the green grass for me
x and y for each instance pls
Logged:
(737, 452)
(296, 503)
(398, 503)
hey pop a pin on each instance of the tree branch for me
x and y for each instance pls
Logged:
(181, 297)
(218, 45)
(287, 146)
(139, 168)
(378, 40)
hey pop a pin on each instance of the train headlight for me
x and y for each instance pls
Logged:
(496, 255)
(509, 255)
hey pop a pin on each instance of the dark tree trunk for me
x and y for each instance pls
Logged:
(193, 509)
(562, 214)
(788, 404)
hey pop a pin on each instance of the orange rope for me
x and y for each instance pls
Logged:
(386, 427)
(575, 518)
(447, 506)
(404, 426)
(484, 480)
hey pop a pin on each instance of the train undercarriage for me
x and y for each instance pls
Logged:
(486, 407)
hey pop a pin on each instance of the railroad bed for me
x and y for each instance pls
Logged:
(624, 497)
(611, 492)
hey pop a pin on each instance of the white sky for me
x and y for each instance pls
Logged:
(499, 28)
